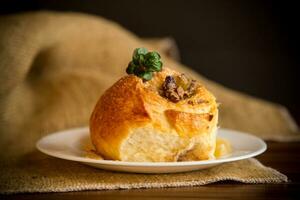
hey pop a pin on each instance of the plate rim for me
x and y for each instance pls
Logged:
(148, 164)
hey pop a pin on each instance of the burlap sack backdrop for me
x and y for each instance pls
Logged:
(54, 67)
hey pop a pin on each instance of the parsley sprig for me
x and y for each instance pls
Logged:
(144, 63)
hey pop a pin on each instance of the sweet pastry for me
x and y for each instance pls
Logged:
(154, 114)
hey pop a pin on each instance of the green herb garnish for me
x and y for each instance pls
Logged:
(144, 63)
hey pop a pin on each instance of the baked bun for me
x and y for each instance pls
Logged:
(135, 121)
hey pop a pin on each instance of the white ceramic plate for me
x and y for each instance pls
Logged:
(68, 145)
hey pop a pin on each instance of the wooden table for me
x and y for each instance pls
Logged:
(284, 157)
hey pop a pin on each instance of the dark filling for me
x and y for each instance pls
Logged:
(178, 88)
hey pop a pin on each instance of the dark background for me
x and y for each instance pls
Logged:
(251, 46)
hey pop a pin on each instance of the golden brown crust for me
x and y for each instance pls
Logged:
(131, 103)
(121, 107)
(189, 124)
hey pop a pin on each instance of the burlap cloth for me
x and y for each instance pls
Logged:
(54, 67)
